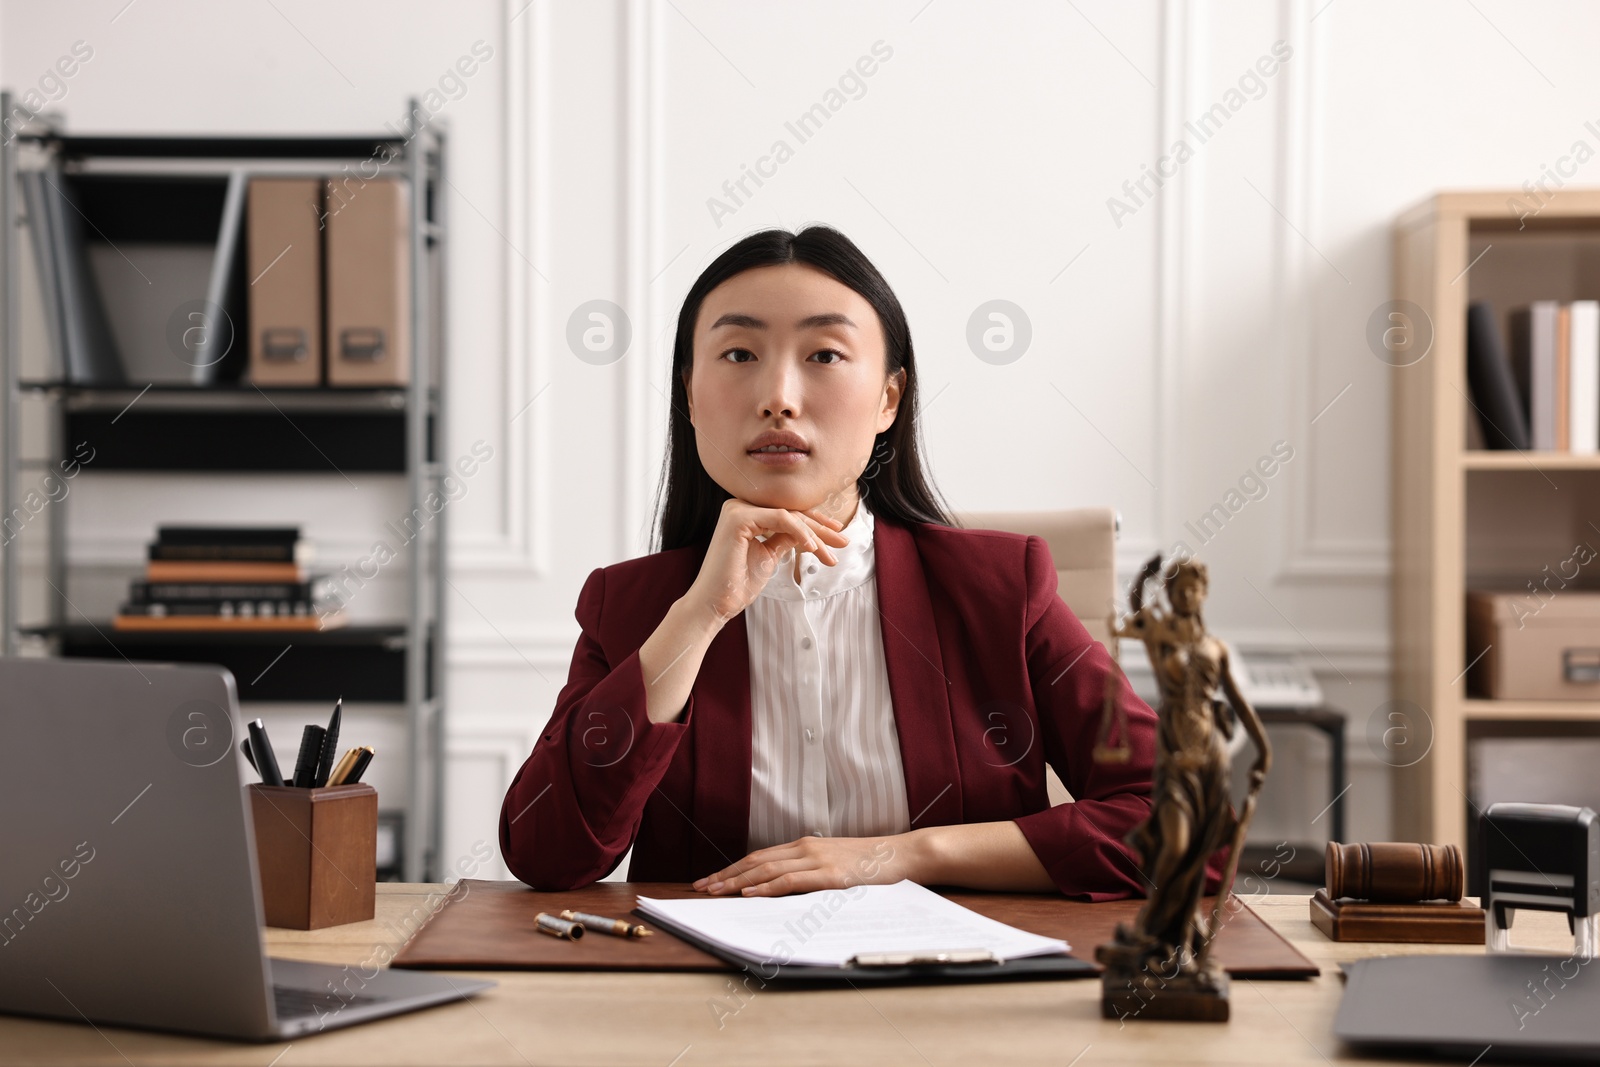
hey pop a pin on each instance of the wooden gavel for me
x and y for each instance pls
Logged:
(1394, 871)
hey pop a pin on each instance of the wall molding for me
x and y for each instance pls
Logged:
(638, 401)
(1174, 246)
(477, 740)
(1308, 557)
(520, 547)
(545, 648)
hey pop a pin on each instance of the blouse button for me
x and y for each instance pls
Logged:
(805, 642)
(811, 569)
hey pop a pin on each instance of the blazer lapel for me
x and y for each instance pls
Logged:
(918, 686)
(720, 822)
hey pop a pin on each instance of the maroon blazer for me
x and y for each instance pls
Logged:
(990, 674)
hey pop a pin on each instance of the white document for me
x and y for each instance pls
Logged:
(830, 927)
(1584, 384)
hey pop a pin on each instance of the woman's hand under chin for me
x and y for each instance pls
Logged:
(812, 863)
(747, 546)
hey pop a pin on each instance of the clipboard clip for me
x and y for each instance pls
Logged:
(921, 959)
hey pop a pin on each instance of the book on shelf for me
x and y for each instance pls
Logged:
(1583, 378)
(1496, 397)
(234, 554)
(1555, 359)
(286, 623)
(144, 591)
(223, 571)
(229, 577)
(270, 544)
(85, 351)
(222, 609)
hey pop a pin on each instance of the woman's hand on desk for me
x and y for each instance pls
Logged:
(989, 855)
(812, 863)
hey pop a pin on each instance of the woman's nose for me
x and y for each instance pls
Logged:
(780, 391)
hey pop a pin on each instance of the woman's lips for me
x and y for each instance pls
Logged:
(778, 459)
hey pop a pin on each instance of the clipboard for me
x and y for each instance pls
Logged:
(954, 966)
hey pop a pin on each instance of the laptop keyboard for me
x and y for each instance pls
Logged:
(295, 1003)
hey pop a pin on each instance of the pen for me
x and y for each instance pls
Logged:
(363, 758)
(305, 764)
(266, 760)
(346, 761)
(549, 924)
(244, 746)
(618, 927)
(330, 746)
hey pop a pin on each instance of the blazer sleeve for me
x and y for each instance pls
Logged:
(574, 808)
(1081, 843)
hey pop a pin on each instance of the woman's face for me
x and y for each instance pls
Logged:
(787, 356)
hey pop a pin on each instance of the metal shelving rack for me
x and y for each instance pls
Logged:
(400, 430)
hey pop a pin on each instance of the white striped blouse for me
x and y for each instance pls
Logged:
(825, 753)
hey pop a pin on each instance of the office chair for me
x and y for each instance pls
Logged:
(1083, 545)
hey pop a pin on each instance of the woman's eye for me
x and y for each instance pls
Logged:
(837, 356)
(733, 354)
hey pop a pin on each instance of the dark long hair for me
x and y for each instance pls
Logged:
(893, 484)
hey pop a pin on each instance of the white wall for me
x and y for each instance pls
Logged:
(1171, 348)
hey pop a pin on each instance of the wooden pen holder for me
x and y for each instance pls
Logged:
(317, 852)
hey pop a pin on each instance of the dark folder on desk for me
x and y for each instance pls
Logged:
(487, 925)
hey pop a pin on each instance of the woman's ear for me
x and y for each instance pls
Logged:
(893, 388)
(688, 395)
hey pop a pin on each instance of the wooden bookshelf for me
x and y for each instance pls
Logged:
(1479, 460)
(1462, 515)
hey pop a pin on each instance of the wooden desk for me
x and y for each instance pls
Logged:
(667, 1020)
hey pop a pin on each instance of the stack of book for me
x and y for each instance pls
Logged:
(1544, 392)
(229, 578)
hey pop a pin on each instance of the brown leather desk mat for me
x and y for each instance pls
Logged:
(486, 925)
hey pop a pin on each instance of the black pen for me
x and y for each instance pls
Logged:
(265, 759)
(244, 746)
(305, 765)
(360, 765)
(330, 747)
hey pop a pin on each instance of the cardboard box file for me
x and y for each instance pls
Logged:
(368, 237)
(285, 269)
(1534, 647)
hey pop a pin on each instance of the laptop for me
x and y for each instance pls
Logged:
(128, 888)
(1500, 1005)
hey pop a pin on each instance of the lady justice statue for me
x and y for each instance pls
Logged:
(1160, 967)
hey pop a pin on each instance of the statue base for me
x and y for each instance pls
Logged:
(1135, 985)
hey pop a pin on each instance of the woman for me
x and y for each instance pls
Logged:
(818, 680)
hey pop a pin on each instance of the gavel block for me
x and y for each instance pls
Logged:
(1396, 891)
